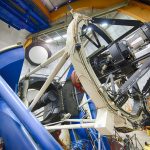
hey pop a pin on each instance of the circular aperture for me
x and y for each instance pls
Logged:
(38, 54)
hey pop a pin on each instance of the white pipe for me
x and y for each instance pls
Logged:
(84, 103)
(50, 60)
(79, 120)
(65, 72)
(49, 80)
(25, 89)
(71, 126)
(99, 141)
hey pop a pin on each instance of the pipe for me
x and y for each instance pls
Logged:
(32, 125)
(64, 72)
(71, 126)
(84, 103)
(99, 141)
(71, 120)
(49, 80)
(24, 93)
(79, 120)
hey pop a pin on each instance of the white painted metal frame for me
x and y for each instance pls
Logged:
(106, 114)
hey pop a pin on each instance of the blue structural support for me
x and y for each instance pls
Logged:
(31, 124)
(22, 14)
(19, 128)
(14, 135)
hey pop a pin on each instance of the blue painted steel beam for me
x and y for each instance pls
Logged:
(32, 125)
(12, 131)
(9, 23)
(18, 15)
(28, 7)
(14, 21)
(38, 133)
(23, 15)
(34, 11)
(10, 70)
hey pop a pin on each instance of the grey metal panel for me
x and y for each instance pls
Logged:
(52, 4)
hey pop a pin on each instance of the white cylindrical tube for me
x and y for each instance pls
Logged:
(47, 62)
(71, 126)
(79, 120)
(49, 80)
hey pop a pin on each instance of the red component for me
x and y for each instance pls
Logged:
(76, 82)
